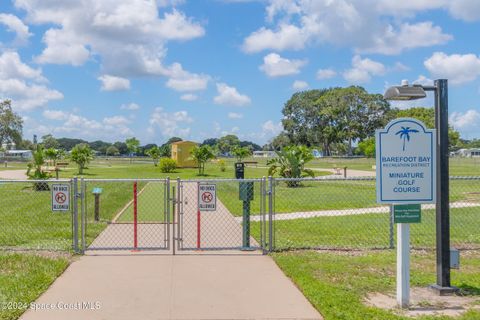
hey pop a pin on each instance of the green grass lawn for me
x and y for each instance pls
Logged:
(465, 166)
(150, 204)
(372, 231)
(29, 212)
(28, 222)
(23, 277)
(336, 283)
(103, 169)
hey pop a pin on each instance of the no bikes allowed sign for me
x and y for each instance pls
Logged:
(60, 197)
(207, 197)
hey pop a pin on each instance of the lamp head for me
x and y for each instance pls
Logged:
(405, 92)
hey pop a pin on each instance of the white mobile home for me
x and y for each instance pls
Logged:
(470, 153)
(264, 154)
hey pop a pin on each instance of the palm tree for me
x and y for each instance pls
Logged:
(154, 153)
(290, 163)
(52, 154)
(405, 134)
(35, 170)
(201, 155)
(81, 154)
(241, 153)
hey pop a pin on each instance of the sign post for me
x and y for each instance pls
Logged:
(60, 197)
(245, 191)
(405, 163)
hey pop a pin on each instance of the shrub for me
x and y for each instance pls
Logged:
(221, 165)
(290, 163)
(167, 165)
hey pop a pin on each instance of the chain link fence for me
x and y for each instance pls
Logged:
(235, 220)
(278, 214)
(27, 221)
(342, 213)
(125, 214)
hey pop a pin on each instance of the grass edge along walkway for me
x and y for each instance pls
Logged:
(24, 277)
(336, 282)
(347, 212)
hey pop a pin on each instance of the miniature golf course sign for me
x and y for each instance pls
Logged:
(405, 162)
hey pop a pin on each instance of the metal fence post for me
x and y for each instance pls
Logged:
(392, 244)
(166, 206)
(83, 192)
(263, 227)
(270, 214)
(75, 214)
(174, 243)
(179, 203)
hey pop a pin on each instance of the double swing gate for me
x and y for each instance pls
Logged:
(175, 215)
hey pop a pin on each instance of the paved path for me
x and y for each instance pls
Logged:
(13, 174)
(347, 212)
(140, 286)
(350, 172)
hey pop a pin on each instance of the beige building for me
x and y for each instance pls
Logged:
(181, 153)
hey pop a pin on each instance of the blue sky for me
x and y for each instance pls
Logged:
(113, 69)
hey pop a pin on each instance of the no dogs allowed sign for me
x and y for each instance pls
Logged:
(207, 197)
(60, 197)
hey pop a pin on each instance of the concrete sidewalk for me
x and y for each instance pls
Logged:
(163, 286)
(13, 174)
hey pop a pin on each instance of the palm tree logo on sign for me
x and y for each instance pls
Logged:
(405, 134)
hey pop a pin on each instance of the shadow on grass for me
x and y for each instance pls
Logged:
(469, 290)
(87, 174)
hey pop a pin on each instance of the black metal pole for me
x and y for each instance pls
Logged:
(442, 202)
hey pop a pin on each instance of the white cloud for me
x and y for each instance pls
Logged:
(299, 85)
(363, 69)
(465, 122)
(468, 10)
(234, 115)
(230, 96)
(276, 66)
(11, 67)
(271, 129)
(131, 106)
(326, 73)
(22, 84)
(75, 125)
(181, 80)
(409, 36)
(55, 115)
(170, 124)
(63, 48)
(128, 36)
(112, 83)
(456, 68)
(14, 24)
(400, 67)
(116, 121)
(368, 28)
(188, 97)
(423, 80)
(285, 37)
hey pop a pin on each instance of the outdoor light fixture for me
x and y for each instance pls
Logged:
(405, 92)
